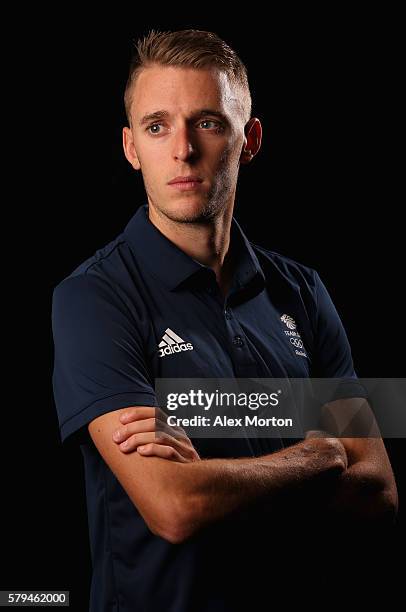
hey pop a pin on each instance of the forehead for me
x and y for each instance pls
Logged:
(178, 89)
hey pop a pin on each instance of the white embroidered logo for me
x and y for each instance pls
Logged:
(294, 336)
(172, 343)
(289, 321)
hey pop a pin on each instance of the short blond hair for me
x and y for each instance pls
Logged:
(191, 49)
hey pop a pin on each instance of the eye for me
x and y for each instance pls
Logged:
(151, 128)
(215, 124)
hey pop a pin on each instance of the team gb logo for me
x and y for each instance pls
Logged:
(289, 321)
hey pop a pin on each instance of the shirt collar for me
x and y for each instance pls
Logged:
(167, 262)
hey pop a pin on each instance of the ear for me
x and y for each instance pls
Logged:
(252, 140)
(129, 148)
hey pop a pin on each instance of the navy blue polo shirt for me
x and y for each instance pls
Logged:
(141, 309)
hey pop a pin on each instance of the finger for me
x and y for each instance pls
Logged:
(176, 437)
(129, 437)
(161, 415)
(184, 447)
(188, 453)
(131, 443)
(180, 432)
(135, 413)
(145, 425)
(148, 424)
(124, 432)
(160, 450)
(172, 430)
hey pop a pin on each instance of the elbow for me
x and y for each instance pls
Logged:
(388, 505)
(369, 500)
(174, 531)
(174, 534)
(383, 503)
(380, 506)
(177, 521)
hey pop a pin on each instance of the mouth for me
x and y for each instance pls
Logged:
(186, 183)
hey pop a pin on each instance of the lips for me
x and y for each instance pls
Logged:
(192, 178)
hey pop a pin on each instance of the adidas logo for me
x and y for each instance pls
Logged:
(172, 343)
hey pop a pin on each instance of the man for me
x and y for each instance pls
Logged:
(165, 516)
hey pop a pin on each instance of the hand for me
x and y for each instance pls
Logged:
(331, 445)
(145, 430)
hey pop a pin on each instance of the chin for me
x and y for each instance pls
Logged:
(188, 210)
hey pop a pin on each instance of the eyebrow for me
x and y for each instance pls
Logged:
(163, 114)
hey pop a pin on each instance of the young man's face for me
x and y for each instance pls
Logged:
(197, 129)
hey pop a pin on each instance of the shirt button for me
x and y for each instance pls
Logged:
(227, 313)
(212, 290)
(238, 341)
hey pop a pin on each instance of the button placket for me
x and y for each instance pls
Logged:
(233, 328)
(238, 341)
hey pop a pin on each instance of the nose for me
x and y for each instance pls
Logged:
(183, 146)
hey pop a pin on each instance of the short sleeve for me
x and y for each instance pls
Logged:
(99, 363)
(332, 354)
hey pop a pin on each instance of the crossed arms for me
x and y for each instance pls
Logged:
(178, 494)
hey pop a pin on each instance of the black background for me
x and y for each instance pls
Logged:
(324, 189)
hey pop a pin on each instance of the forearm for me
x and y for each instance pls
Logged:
(366, 491)
(362, 495)
(210, 490)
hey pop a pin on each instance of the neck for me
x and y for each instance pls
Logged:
(207, 243)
